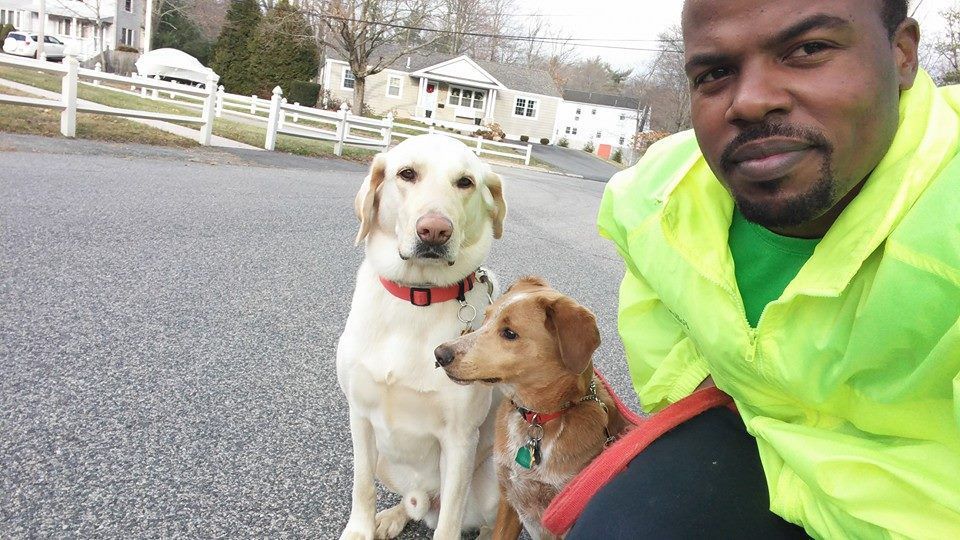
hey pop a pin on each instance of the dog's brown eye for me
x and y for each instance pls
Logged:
(508, 334)
(408, 174)
(464, 183)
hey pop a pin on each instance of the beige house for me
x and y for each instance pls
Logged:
(456, 92)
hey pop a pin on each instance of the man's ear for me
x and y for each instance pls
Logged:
(906, 42)
(493, 198)
(575, 329)
(365, 205)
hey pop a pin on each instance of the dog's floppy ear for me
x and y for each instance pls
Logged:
(493, 198)
(575, 329)
(365, 205)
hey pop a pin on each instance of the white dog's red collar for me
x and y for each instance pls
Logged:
(424, 296)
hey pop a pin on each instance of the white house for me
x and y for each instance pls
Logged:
(457, 92)
(75, 22)
(608, 122)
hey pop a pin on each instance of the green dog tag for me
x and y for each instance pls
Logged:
(524, 457)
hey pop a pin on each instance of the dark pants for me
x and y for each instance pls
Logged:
(701, 480)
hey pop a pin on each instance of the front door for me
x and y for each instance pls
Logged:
(430, 98)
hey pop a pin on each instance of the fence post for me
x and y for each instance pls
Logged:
(156, 93)
(430, 130)
(253, 104)
(143, 89)
(479, 145)
(341, 130)
(296, 115)
(388, 132)
(526, 160)
(209, 110)
(273, 119)
(219, 101)
(68, 94)
(97, 67)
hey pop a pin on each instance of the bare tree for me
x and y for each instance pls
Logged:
(945, 47)
(370, 35)
(665, 87)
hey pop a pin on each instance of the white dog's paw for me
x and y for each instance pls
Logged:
(355, 532)
(391, 521)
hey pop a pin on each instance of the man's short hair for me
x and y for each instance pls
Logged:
(894, 12)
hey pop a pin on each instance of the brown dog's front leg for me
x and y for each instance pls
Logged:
(508, 525)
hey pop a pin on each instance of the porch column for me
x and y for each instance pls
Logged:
(422, 91)
(74, 28)
(491, 102)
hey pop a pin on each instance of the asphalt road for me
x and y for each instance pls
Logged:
(168, 321)
(575, 161)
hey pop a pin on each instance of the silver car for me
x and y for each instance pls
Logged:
(24, 44)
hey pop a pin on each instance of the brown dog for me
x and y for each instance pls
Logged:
(537, 345)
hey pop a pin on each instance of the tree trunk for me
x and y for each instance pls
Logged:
(359, 87)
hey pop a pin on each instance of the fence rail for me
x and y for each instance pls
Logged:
(278, 117)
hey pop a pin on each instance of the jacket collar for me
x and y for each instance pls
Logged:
(697, 209)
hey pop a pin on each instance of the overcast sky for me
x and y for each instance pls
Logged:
(620, 20)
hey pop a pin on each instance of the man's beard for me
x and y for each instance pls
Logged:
(800, 209)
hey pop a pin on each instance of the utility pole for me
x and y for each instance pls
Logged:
(148, 26)
(43, 23)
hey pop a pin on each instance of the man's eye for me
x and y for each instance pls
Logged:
(714, 74)
(808, 49)
(508, 334)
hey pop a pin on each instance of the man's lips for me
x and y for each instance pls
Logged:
(770, 158)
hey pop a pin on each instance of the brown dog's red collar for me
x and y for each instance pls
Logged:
(425, 296)
(534, 417)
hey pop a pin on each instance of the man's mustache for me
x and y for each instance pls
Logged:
(773, 129)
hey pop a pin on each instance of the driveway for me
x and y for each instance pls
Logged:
(169, 326)
(576, 162)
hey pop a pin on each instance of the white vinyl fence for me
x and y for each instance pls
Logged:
(278, 117)
(73, 75)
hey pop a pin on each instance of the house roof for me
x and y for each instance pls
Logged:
(515, 77)
(607, 100)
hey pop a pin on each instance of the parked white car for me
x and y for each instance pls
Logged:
(24, 44)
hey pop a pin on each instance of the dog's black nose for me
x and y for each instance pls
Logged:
(444, 355)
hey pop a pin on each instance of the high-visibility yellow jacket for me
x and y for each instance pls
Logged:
(851, 380)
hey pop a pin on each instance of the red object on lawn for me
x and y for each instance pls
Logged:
(567, 506)
(603, 151)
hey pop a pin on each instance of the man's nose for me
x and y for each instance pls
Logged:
(757, 94)
(444, 355)
(434, 229)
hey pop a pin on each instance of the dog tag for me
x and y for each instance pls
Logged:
(528, 455)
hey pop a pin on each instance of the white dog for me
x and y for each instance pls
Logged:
(429, 211)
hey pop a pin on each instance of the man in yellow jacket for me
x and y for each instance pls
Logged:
(801, 250)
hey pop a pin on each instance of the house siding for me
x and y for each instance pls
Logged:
(515, 126)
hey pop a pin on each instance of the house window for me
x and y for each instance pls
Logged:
(578, 110)
(525, 107)
(348, 81)
(568, 130)
(593, 111)
(466, 98)
(576, 118)
(128, 6)
(573, 131)
(394, 86)
(63, 27)
(622, 140)
(126, 37)
(9, 16)
(623, 117)
(599, 134)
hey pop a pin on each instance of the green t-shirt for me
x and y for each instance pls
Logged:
(764, 263)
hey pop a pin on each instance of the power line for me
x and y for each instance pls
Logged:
(583, 42)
